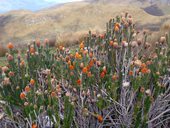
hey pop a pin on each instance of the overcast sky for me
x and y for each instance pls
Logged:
(33, 5)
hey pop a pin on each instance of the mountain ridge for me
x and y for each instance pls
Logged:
(72, 18)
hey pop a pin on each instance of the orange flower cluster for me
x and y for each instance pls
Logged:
(81, 45)
(100, 118)
(22, 95)
(71, 67)
(32, 50)
(79, 82)
(85, 70)
(78, 56)
(22, 63)
(27, 89)
(34, 126)
(91, 63)
(117, 27)
(32, 82)
(111, 43)
(144, 69)
(130, 73)
(10, 46)
(114, 77)
(102, 75)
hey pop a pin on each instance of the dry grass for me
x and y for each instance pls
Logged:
(69, 39)
(2, 51)
(154, 37)
(166, 26)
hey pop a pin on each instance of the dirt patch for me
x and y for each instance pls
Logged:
(154, 10)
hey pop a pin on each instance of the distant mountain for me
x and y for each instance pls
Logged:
(74, 19)
(34, 5)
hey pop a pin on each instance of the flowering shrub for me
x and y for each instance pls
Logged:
(110, 80)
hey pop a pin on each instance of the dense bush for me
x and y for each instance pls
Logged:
(111, 80)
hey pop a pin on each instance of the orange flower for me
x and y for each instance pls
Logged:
(143, 65)
(77, 55)
(53, 94)
(130, 73)
(82, 45)
(34, 126)
(100, 118)
(111, 43)
(144, 70)
(90, 54)
(117, 24)
(88, 67)
(81, 50)
(22, 63)
(91, 63)
(114, 77)
(22, 95)
(84, 70)
(10, 46)
(89, 74)
(102, 75)
(32, 50)
(27, 89)
(71, 67)
(32, 81)
(78, 81)
(116, 28)
(69, 62)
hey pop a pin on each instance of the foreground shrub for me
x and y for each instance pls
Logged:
(111, 80)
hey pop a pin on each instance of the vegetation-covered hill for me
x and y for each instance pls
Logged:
(70, 19)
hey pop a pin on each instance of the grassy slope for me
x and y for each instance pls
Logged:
(70, 18)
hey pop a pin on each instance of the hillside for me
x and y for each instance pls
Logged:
(70, 18)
